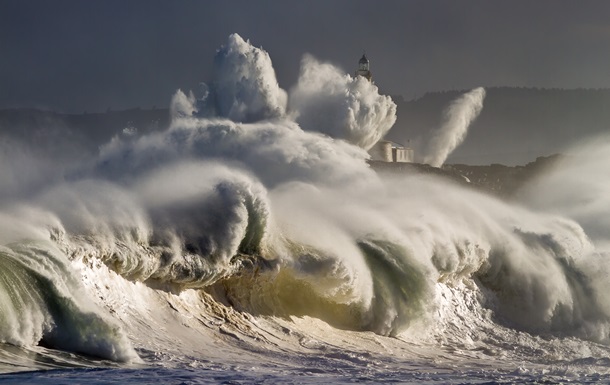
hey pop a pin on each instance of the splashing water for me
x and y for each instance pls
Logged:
(457, 118)
(328, 101)
(251, 238)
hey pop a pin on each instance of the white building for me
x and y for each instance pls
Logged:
(387, 151)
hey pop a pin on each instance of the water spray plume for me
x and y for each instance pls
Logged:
(245, 88)
(457, 118)
(327, 100)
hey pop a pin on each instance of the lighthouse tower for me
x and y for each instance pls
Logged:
(363, 68)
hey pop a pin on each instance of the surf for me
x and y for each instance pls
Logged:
(253, 233)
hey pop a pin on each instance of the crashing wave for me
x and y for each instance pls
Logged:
(272, 210)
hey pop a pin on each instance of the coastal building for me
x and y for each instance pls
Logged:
(387, 151)
(364, 68)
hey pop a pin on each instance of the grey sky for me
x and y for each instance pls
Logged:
(90, 55)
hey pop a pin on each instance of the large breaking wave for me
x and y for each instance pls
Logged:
(263, 202)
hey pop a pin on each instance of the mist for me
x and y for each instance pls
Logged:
(577, 187)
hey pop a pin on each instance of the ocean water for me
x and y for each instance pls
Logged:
(250, 242)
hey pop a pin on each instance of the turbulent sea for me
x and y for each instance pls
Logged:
(250, 242)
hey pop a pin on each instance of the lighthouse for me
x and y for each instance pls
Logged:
(364, 68)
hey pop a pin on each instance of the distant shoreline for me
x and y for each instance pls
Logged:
(496, 179)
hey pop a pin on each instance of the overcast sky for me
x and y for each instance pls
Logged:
(89, 55)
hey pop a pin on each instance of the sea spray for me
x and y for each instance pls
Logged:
(577, 186)
(306, 210)
(274, 152)
(457, 118)
(41, 301)
(245, 88)
(189, 235)
(328, 101)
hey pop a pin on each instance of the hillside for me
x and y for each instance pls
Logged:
(74, 137)
(495, 179)
(516, 125)
(75, 134)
